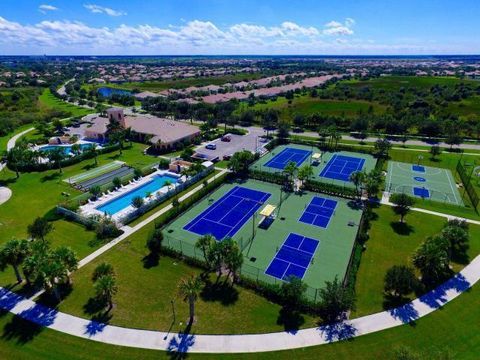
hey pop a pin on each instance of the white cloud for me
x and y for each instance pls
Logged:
(200, 37)
(45, 7)
(336, 28)
(97, 9)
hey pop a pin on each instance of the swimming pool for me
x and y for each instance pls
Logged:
(118, 204)
(67, 149)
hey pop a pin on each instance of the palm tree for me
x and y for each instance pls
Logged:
(14, 253)
(67, 258)
(102, 270)
(105, 289)
(14, 157)
(357, 177)
(76, 149)
(94, 152)
(305, 173)
(290, 170)
(39, 228)
(56, 156)
(189, 289)
(205, 244)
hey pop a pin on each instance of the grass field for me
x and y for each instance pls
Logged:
(454, 333)
(397, 82)
(26, 190)
(146, 291)
(391, 243)
(48, 101)
(260, 164)
(306, 105)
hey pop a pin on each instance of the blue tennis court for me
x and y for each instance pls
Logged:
(229, 213)
(340, 167)
(293, 258)
(279, 161)
(319, 212)
(421, 192)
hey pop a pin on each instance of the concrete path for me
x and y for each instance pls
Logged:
(5, 194)
(187, 342)
(385, 201)
(13, 139)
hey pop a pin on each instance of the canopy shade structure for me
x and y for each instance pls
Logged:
(268, 210)
(316, 156)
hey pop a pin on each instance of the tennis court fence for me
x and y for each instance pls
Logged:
(467, 183)
(188, 249)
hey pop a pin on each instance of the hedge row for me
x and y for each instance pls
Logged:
(311, 185)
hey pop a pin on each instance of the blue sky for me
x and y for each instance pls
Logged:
(239, 27)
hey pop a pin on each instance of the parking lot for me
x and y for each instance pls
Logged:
(252, 142)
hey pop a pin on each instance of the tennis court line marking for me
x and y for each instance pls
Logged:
(288, 262)
(293, 153)
(203, 214)
(359, 165)
(451, 187)
(310, 203)
(226, 196)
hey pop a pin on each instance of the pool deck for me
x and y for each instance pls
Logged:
(90, 208)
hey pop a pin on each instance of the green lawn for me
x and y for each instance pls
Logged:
(392, 244)
(47, 100)
(452, 329)
(145, 294)
(397, 82)
(306, 105)
(41, 191)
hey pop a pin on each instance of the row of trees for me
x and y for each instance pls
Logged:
(431, 259)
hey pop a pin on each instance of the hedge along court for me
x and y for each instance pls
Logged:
(328, 167)
(423, 182)
(310, 236)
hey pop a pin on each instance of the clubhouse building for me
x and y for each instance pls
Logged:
(163, 134)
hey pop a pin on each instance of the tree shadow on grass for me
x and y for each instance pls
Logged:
(291, 320)
(89, 167)
(222, 292)
(400, 228)
(9, 181)
(94, 307)
(29, 323)
(50, 177)
(151, 260)
(390, 301)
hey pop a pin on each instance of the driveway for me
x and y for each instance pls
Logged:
(251, 142)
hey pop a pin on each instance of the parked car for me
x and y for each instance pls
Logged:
(211, 146)
(227, 157)
(226, 138)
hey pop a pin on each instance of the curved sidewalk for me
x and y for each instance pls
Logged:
(189, 342)
(13, 139)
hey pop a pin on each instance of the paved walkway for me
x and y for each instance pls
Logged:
(5, 194)
(385, 201)
(186, 342)
(13, 139)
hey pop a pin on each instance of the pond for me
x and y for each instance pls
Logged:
(107, 92)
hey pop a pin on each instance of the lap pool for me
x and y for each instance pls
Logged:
(125, 200)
